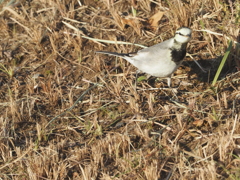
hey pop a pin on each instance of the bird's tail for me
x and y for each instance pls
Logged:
(113, 53)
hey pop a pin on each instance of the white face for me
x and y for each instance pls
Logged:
(183, 35)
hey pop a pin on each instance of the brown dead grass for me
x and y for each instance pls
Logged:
(118, 129)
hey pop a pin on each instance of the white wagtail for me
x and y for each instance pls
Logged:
(160, 60)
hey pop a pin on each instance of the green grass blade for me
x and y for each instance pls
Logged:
(222, 63)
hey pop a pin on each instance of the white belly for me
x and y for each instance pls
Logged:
(154, 65)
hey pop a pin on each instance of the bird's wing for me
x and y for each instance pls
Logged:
(158, 52)
(157, 47)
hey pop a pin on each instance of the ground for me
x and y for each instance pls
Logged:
(69, 113)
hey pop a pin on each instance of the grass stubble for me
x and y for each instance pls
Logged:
(119, 129)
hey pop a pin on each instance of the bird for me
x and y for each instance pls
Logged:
(162, 59)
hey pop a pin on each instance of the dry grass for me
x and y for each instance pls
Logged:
(117, 129)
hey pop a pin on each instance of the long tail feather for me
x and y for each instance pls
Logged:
(113, 53)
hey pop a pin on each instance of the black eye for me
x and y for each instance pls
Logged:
(179, 33)
(189, 35)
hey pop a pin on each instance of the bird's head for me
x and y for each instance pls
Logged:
(183, 35)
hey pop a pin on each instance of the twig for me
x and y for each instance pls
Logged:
(98, 40)
(79, 99)
(215, 33)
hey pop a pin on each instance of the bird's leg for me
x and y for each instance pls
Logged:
(169, 81)
(137, 71)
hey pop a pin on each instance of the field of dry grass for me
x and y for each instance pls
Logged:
(69, 113)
